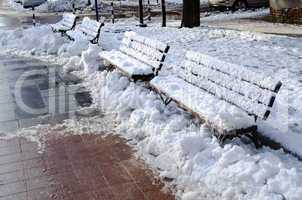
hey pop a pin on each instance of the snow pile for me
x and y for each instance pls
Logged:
(36, 40)
(42, 43)
(73, 48)
(88, 61)
(168, 140)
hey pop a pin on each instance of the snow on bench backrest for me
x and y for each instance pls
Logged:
(253, 92)
(68, 20)
(149, 51)
(91, 27)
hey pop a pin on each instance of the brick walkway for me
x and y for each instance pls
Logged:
(82, 167)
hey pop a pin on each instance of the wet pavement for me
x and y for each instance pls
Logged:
(34, 92)
(86, 167)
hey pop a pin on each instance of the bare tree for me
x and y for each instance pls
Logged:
(191, 13)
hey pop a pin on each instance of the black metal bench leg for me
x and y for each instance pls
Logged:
(221, 138)
(255, 138)
(166, 100)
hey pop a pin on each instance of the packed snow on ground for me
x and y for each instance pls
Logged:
(169, 140)
(228, 15)
(67, 5)
(53, 5)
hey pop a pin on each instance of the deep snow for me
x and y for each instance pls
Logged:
(167, 138)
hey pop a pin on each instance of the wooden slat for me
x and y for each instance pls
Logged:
(234, 70)
(214, 127)
(226, 95)
(253, 92)
(232, 83)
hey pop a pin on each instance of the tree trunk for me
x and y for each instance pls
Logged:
(163, 7)
(96, 10)
(141, 13)
(191, 13)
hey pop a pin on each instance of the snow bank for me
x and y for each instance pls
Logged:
(88, 61)
(37, 40)
(168, 140)
(42, 43)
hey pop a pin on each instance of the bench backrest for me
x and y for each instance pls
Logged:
(252, 92)
(69, 20)
(146, 50)
(91, 28)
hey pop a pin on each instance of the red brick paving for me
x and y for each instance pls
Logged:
(86, 167)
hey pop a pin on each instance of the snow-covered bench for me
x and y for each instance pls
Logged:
(87, 30)
(138, 57)
(67, 23)
(229, 98)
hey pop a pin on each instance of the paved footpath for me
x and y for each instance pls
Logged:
(33, 92)
(86, 167)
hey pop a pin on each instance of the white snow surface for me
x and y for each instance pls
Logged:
(53, 5)
(222, 16)
(221, 113)
(167, 138)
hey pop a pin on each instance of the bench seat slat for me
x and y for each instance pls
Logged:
(136, 59)
(143, 58)
(88, 29)
(129, 65)
(227, 95)
(59, 27)
(152, 53)
(222, 115)
(76, 35)
(67, 22)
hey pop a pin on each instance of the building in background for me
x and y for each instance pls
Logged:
(286, 10)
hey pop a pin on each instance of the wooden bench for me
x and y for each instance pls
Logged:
(138, 57)
(227, 97)
(87, 30)
(67, 23)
